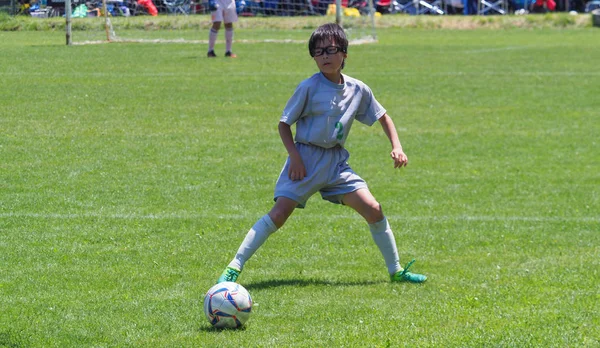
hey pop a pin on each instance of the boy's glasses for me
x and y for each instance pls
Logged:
(329, 50)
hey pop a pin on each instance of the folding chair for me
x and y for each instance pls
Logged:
(395, 6)
(401, 6)
(492, 7)
(435, 7)
(591, 6)
(178, 6)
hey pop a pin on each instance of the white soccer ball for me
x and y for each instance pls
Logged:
(227, 305)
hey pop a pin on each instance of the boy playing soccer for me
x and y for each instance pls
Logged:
(221, 11)
(323, 108)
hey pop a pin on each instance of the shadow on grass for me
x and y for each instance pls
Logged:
(215, 330)
(291, 282)
(304, 282)
(10, 339)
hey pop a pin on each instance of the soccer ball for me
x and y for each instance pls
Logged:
(227, 305)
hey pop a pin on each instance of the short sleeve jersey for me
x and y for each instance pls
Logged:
(324, 111)
(223, 4)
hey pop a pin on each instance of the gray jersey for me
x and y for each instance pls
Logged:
(324, 111)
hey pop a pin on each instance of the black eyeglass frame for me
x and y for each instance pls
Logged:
(330, 50)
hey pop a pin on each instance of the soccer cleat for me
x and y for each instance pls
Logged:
(211, 54)
(406, 276)
(230, 54)
(230, 274)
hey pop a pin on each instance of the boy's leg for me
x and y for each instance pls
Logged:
(229, 17)
(229, 39)
(365, 204)
(212, 38)
(257, 236)
(384, 238)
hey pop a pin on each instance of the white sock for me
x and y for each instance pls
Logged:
(384, 238)
(212, 39)
(228, 39)
(256, 237)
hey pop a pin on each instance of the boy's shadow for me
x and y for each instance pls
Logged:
(267, 284)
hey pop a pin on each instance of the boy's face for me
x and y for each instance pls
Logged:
(329, 57)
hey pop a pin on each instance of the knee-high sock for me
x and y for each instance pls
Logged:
(256, 237)
(228, 39)
(212, 39)
(384, 238)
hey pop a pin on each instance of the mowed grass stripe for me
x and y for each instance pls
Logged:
(312, 215)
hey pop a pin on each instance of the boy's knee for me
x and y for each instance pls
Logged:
(375, 213)
(281, 211)
(278, 216)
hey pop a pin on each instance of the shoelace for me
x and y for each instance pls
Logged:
(230, 274)
(407, 267)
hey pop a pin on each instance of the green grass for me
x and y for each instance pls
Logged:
(130, 173)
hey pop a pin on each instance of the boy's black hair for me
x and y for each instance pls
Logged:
(331, 32)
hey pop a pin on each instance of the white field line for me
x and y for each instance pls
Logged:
(193, 216)
(184, 41)
(497, 49)
(79, 74)
(204, 42)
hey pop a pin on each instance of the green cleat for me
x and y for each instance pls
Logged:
(406, 276)
(230, 274)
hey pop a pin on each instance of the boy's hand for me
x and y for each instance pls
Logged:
(399, 157)
(297, 171)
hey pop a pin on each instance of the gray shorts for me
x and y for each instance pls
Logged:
(327, 171)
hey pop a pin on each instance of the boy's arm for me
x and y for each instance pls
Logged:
(297, 171)
(399, 157)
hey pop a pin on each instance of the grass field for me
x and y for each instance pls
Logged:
(130, 173)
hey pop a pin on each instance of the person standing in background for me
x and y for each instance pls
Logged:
(221, 11)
